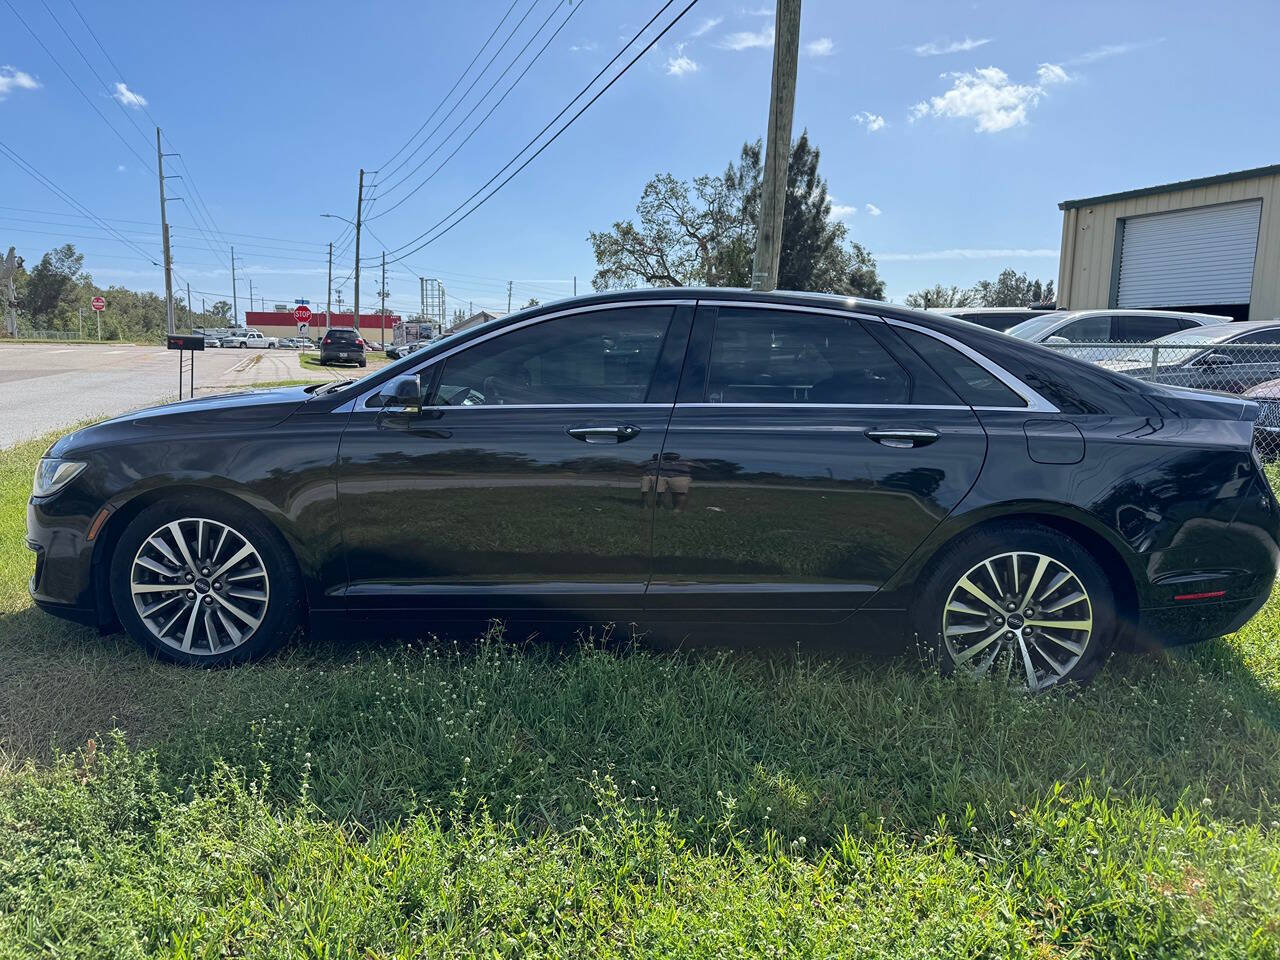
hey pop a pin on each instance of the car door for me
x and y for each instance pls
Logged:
(809, 453)
(1242, 362)
(516, 488)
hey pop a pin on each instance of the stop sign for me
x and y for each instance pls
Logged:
(98, 303)
(302, 313)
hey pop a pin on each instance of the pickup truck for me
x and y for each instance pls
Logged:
(251, 338)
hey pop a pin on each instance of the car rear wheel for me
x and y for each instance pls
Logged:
(204, 584)
(1019, 602)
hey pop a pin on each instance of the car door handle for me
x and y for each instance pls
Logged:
(902, 437)
(616, 433)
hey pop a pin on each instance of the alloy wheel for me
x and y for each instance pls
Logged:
(1022, 613)
(199, 586)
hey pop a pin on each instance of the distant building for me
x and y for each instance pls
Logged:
(484, 316)
(280, 323)
(1210, 245)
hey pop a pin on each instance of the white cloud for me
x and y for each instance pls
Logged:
(933, 49)
(872, 121)
(756, 11)
(747, 40)
(843, 211)
(988, 97)
(872, 209)
(710, 23)
(120, 168)
(1114, 50)
(11, 78)
(585, 47)
(822, 47)
(680, 65)
(128, 98)
(970, 253)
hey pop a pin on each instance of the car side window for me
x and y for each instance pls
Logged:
(975, 384)
(1086, 330)
(1260, 347)
(1135, 329)
(602, 357)
(774, 356)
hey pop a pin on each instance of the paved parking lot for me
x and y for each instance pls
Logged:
(45, 387)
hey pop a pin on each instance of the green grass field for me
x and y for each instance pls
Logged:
(373, 799)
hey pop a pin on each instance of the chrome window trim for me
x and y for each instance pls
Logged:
(1035, 402)
(360, 402)
(833, 406)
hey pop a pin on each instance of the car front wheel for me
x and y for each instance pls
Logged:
(1021, 602)
(204, 583)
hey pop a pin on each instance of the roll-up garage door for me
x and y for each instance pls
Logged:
(1201, 256)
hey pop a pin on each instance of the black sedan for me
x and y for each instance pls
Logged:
(860, 470)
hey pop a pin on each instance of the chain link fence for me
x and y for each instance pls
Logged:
(1248, 369)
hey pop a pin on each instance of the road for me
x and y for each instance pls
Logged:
(47, 387)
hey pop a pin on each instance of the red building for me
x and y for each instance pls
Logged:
(374, 327)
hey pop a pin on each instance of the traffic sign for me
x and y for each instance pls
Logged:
(98, 303)
(303, 327)
(302, 313)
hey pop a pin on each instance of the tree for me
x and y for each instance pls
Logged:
(50, 283)
(704, 232)
(1013, 289)
(220, 310)
(533, 302)
(940, 296)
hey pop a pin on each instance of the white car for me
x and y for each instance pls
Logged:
(1109, 326)
(252, 339)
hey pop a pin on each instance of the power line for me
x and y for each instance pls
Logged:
(92, 105)
(446, 97)
(603, 90)
(497, 103)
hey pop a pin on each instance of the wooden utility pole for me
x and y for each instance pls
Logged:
(777, 146)
(164, 236)
(382, 325)
(359, 206)
(328, 302)
(235, 300)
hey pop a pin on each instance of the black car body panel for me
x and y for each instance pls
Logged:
(710, 510)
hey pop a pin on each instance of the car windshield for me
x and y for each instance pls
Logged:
(1170, 346)
(1034, 328)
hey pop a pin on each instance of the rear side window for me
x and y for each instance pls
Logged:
(1086, 330)
(975, 384)
(770, 356)
(1137, 329)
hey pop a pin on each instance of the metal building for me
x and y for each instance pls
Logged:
(1210, 245)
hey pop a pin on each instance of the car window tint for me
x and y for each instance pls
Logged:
(1263, 346)
(767, 356)
(974, 383)
(604, 357)
(1139, 329)
(1086, 330)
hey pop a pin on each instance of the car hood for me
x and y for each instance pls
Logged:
(252, 408)
(1265, 391)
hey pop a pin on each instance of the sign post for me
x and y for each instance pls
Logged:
(99, 304)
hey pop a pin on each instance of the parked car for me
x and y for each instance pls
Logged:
(796, 460)
(1230, 357)
(342, 345)
(305, 343)
(288, 343)
(1108, 326)
(398, 350)
(993, 318)
(250, 338)
(211, 341)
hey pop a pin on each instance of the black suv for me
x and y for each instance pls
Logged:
(342, 345)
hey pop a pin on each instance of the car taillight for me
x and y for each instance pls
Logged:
(359, 342)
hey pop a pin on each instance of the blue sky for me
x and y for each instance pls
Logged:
(949, 131)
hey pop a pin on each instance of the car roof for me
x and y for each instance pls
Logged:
(1229, 330)
(956, 311)
(1140, 312)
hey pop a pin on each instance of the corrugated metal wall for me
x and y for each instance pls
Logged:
(1088, 271)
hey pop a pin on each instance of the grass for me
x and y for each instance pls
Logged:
(495, 798)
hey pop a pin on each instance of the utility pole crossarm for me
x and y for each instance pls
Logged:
(777, 155)
(164, 234)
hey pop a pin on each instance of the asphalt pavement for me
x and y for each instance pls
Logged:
(46, 387)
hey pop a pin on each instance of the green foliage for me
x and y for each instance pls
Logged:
(940, 296)
(491, 798)
(1009, 289)
(703, 232)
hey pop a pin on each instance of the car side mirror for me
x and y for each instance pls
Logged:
(402, 393)
(1056, 339)
(1217, 360)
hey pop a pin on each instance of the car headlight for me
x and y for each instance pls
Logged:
(52, 474)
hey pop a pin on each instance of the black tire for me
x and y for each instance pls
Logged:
(363, 363)
(242, 345)
(283, 606)
(997, 543)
